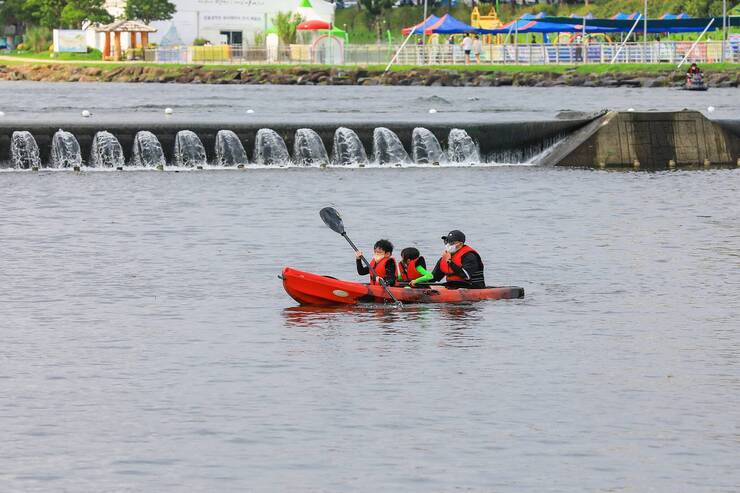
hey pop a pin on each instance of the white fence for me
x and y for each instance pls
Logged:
(545, 54)
(529, 54)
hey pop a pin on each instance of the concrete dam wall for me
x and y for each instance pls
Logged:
(615, 139)
(520, 140)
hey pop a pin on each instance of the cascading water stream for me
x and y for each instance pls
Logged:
(24, 152)
(387, 147)
(147, 151)
(106, 151)
(189, 151)
(229, 150)
(461, 148)
(425, 147)
(65, 150)
(309, 149)
(348, 148)
(270, 148)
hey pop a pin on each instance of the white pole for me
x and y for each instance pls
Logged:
(506, 39)
(424, 34)
(399, 50)
(644, 32)
(637, 21)
(724, 29)
(583, 42)
(696, 43)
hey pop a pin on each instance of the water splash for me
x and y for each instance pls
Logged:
(189, 150)
(461, 148)
(270, 148)
(348, 148)
(106, 151)
(229, 149)
(65, 150)
(24, 152)
(309, 149)
(387, 147)
(147, 151)
(425, 147)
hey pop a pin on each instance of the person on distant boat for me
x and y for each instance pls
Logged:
(460, 264)
(694, 73)
(382, 262)
(413, 268)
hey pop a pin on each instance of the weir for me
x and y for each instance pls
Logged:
(656, 139)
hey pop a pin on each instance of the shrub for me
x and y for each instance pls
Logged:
(200, 42)
(38, 38)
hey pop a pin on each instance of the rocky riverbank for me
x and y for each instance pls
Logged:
(194, 74)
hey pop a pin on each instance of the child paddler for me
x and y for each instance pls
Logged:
(413, 268)
(382, 262)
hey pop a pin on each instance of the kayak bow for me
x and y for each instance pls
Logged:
(312, 289)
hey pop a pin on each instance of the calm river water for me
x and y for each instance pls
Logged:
(149, 346)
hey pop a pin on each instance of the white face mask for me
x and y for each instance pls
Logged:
(451, 247)
(378, 257)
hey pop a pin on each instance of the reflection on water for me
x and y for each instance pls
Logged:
(458, 323)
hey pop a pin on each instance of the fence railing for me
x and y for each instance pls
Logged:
(528, 54)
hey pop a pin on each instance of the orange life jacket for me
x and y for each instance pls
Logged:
(410, 273)
(457, 260)
(379, 269)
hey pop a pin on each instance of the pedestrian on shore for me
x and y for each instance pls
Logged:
(477, 48)
(467, 46)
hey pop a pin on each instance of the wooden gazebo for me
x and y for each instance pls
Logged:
(134, 28)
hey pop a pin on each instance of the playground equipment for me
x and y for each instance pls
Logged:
(490, 21)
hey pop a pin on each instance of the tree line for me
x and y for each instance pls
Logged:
(72, 14)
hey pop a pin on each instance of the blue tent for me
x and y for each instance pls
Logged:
(668, 16)
(685, 25)
(443, 25)
(419, 28)
(533, 24)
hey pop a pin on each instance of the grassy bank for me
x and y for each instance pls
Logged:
(508, 68)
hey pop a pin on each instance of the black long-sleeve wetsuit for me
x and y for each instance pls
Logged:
(471, 271)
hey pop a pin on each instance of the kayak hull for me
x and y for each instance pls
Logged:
(316, 290)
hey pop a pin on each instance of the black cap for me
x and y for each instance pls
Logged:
(454, 235)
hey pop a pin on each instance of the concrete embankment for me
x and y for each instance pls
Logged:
(357, 76)
(654, 139)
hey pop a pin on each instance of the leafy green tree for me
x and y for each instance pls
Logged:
(286, 23)
(45, 13)
(64, 13)
(150, 10)
(376, 7)
(13, 11)
(78, 11)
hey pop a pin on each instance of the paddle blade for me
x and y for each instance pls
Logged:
(331, 218)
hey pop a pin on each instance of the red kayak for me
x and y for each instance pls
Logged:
(312, 289)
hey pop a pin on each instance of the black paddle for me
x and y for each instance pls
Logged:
(331, 218)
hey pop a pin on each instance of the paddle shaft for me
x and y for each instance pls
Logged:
(372, 270)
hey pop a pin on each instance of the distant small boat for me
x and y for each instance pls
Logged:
(695, 83)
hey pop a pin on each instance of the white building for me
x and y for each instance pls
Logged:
(224, 21)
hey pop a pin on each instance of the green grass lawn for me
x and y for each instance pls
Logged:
(45, 55)
(510, 68)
